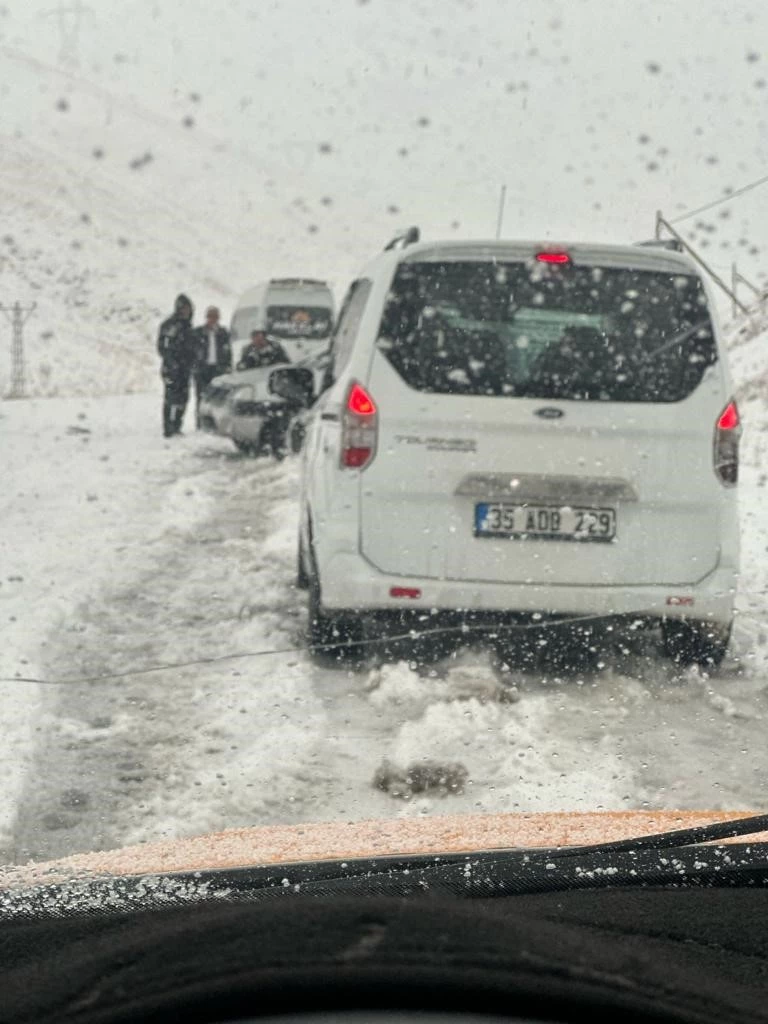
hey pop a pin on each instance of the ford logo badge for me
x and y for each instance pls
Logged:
(549, 412)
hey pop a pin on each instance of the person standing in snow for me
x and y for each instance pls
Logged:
(261, 351)
(213, 353)
(176, 348)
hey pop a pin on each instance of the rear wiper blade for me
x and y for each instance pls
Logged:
(679, 338)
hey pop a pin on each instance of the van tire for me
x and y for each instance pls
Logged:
(272, 439)
(297, 434)
(333, 636)
(694, 642)
(244, 447)
(302, 576)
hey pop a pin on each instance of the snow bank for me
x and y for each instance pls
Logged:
(82, 496)
(398, 687)
(510, 751)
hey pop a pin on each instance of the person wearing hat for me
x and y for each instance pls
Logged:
(261, 351)
(177, 350)
(213, 353)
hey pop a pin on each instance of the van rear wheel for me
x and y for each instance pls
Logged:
(334, 636)
(694, 642)
(302, 576)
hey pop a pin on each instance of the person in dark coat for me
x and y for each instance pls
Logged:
(261, 351)
(176, 348)
(213, 353)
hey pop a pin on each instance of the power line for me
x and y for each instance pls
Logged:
(723, 199)
(521, 627)
(497, 630)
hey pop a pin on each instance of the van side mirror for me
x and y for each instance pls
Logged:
(296, 384)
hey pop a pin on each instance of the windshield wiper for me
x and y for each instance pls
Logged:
(677, 857)
(673, 859)
(751, 825)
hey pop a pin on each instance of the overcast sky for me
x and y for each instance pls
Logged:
(594, 113)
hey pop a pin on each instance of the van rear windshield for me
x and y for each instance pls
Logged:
(299, 321)
(549, 331)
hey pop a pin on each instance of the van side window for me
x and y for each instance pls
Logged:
(347, 326)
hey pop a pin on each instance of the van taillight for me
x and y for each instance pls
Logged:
(726, 448)
(359, 428)
(553, 257)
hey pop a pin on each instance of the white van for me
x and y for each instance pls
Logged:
(297, 311)
(523, 433)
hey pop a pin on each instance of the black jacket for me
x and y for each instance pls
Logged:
(251, 358)
(223, 349)
(176, 343)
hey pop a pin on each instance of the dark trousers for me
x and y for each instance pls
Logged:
(174, 403)
(203, 377)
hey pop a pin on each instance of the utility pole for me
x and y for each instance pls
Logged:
(739, 278)
(662, 223)
(18, 316)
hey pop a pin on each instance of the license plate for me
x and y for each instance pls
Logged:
(558, 522)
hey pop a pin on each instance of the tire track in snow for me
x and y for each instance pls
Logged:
(108, 751)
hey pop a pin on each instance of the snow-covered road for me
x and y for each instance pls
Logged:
(121, 551)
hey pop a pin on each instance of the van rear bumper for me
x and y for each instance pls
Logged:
(349, 582)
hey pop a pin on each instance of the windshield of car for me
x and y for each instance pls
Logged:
(548, 331)
(299, 321)
(483, 540)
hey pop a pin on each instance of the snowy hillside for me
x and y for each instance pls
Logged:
(143, 153)
(103, 250)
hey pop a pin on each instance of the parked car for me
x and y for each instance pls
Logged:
(298, 312)
(519, 433)
(262, 410)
